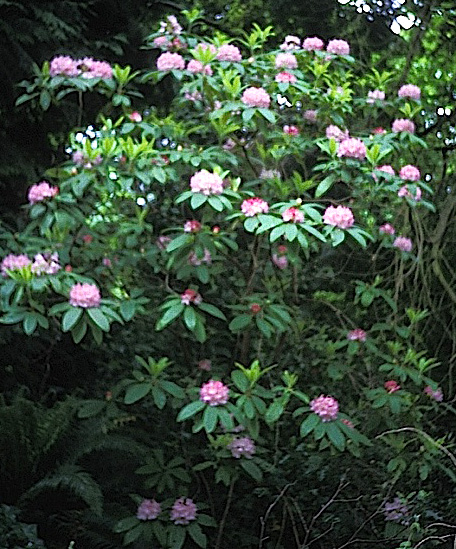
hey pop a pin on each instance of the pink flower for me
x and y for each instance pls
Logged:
(403, 125)
(379, 130)
(375, 95)
(46, 263)
(291, 43)
(242, 447)
(391, 386)
(194, 260)
(135, 117)
(339, 47)
(340, 216)
(285, 78)
(254, 206)
(183, 511)
(41, 191)
(310, 115)
(386, 168)
(90, 68)
(410, 173)
(229, 144)
(193, 96)
(256, 97)
(207, 183)
(14, 263)
(326, 407)
(161, 41)
(85, 295)
(291, 130)
(214, 393)
(228, 52)
(63, 65)
(410, 90)
(192, 226)
(312, 43)
(162, 242)
(404, 192)
(358, 334)
(148, 510)
(172, 25)
(191, 296)
(403, 243)
(280, 261)
(352, 148)
(255, 308)
(437, 395)
(205, 365)
(387, 229)
(170, 61)
(293, 214)
(195, 67)
(336, 133)
(286, 60)
(107, 262)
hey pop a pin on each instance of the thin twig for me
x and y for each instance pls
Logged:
(264, 519)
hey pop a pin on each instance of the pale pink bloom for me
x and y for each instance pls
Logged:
(293, 214)
(205, 365)
(285, 78)
(375, 95)
(291, 130)
(242, 447)
(85, 295)
(310, 115)
(403, 125)
(193, 96)
(191, 296)
(63, 65)
(78, 158)
(352, 148)
(312, 43)
(336, 133)
(214, 393)
(386, 168)
(192, 226)
(326, 407)
(135, 116)
(404, 192)
(403, 243)
(162, 242)
(207, 183)
(229, 144)
(256, 97)
(358, 334)
(170, 25)
(387, 228)
(280, 261)
(195, 67)
(46, 263)
(148, 510)
(41, 191)
(397, 511)
(391, 386)
(228, 52)
(410, 90)
(339, 47)
(161, 41)
(183, 511)
(169, 61)
(254, 206)
(291, 43)
(90, 68)
(286, 60)
(340, 216)
(379, 130)
(410, 173)
(14, 263)
(194, 260)
(437, 395)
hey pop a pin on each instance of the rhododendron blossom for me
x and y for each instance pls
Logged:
(391, 386)
(340, 216)
(291, 43)
(403, 243)
(312, 43)
(254, 206)
(161, 42)
(387, 229)
(183, 511)
(290, 130)
(280, 261)
(228, 52)
(135, 116)
(195, 67)
(46, 263)
(191, 296)
(255, 308)
(386, 168)
(256, 97)
(162, 241)
(410, 173)
(326, 407)
(285, 78)
(293, 214)
(358, 334)
(310, 115)
(41, 191)
(85, 295)
(207, 183)
(403, 125)
(397, 511)
(286, 60)
(375, 95)
(148, 510)
(410, 90)
(352, 148)
(14, 263)
(437, 395)
(192, 226)
(170, 61)
(214, 393)
(339, 47)
(334, 132)
(404, 192)
(63, 65)
(242, 447)
(90, 68)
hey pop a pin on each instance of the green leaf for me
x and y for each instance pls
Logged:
(274, 412)
(29, 323)
(335, 435)
(70, 318)
(190, 318)
(206, 520)
(133, 535)
(159, 397)
(99, 318)
(210, 418)
(79, 331)
(240, 380)
(176, 537)
(291, 232)
(170, 314)
(197, 200)
(176, 243)
(126, 524)
(212, 310)
(45, 100)
(190, 410)
(173, 389)
(325, 185)
(214, 202)
(127, 310)
(90, 408)
(136, 392)
(252, 469)
(240, 322)
(197, 535)
(309, 424)
(250, 224)
(269, 115)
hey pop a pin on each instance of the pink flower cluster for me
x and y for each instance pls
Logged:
(242, 447)
(183, 511)
(254, 206)
(194, 66)
(312, 43)
(338, 47)
(170, 61)
(410, 90)
(387, 228)
(14, 263)
(386, 168)
(291, 43)
(358, 334)
(437, 395)
(214, 393)
(191, 296)
(285, 78)
(194, 260)
(403, 125)
(81, 159)
(326, 407)
(46, 263)
(286, 61)
(404, 192)
(64, 65)
(410, 173)
(192, 226)
(170, 25)
(207, 183)
(403, 243)
(228, 52)
(85, 295)
(310, 115)
(334, 132)
(352, 148)
(293, 214)
(148, 510)
(256, 97)
(290, 130)
(340, 216)
(375, 95)
(41, 191)
(391, 386)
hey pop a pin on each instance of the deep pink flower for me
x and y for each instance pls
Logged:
(242, 447)
(410, 90)
(255, 308)
(192, 226)
(391, 386)
(403, 125)
(280, 261)
(214, 393)
(14, 263)
(340, 216)
(228, 52)
(254, 206)
(41, 191)
(286, 61)
(339, 47)
(403, 243)
(256, 97)
(293, 214)
(63, 65)
(148, 510)
(196, 67)
(46, 263)
(170, 61)
(375, 95)
(352, 148)
(310, 115)
(107, 262)
(358, 334)
(387, 229)
(191, 296)
(85, 295)
(326, 407)
(410, 173)
(290, 130)
(437, 395)
(183, 511)
(207, 183)
(285, 78)
(135, 116)
(379, 130)
(312, 43)
(336, 133)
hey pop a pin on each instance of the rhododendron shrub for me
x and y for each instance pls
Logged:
(212, 238)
